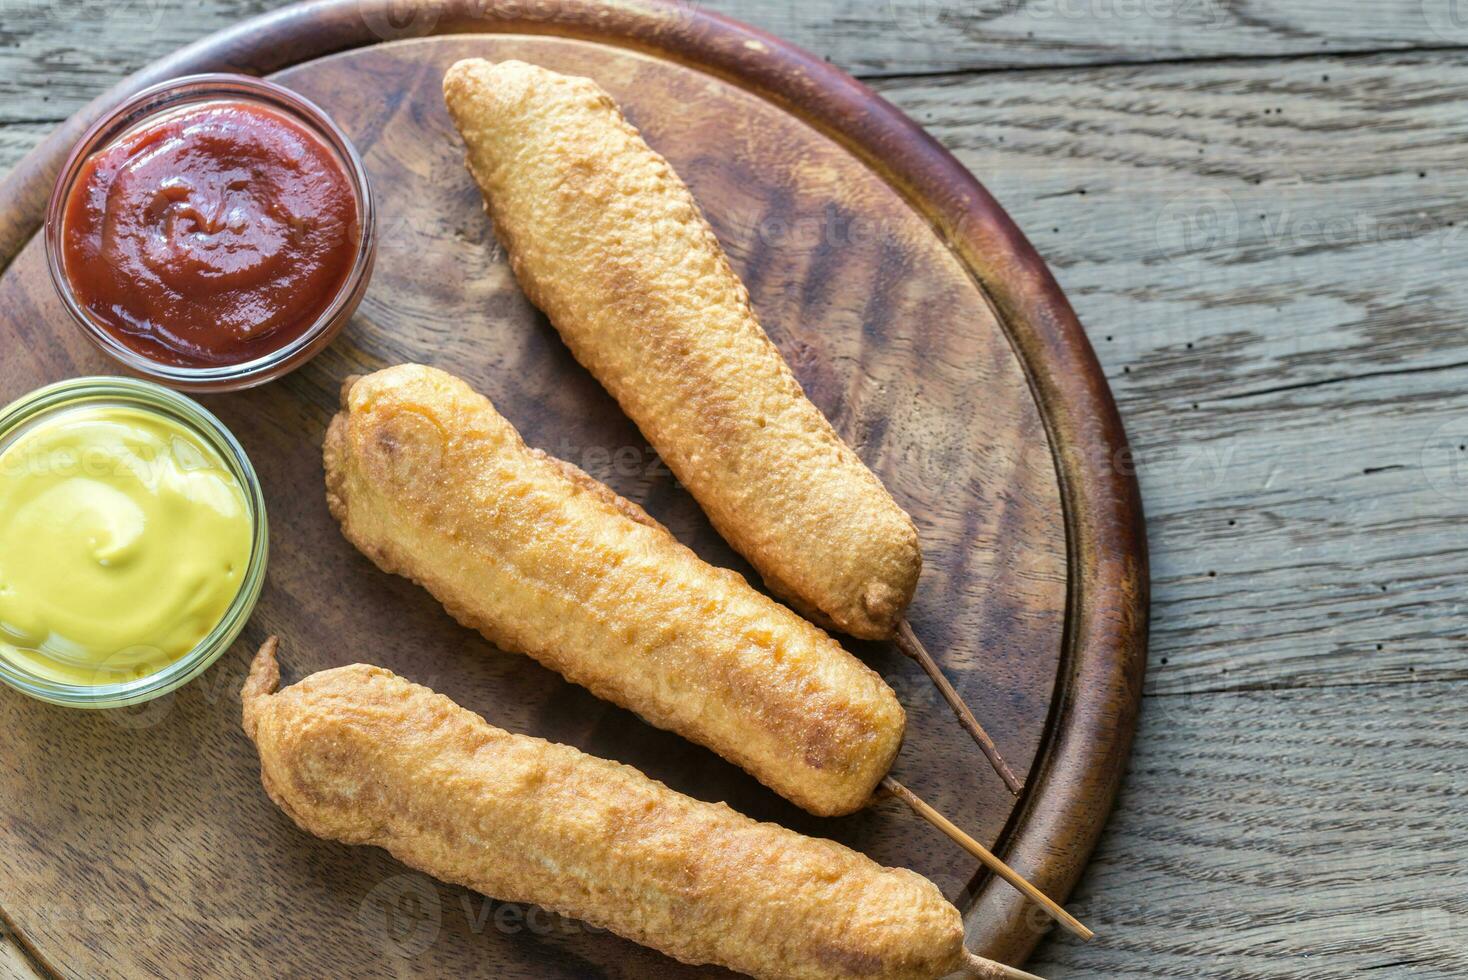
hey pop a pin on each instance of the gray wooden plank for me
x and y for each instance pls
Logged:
(1288, 835)
(57, 56)
(1267, 256)
(884, 37)
(54, 56)
(17, 139)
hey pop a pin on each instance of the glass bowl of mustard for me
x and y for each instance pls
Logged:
(133, 541)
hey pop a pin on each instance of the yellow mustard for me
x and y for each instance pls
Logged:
(124, 537)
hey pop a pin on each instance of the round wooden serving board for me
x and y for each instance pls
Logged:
(918, 319)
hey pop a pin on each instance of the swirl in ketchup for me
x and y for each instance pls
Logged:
(212, 235)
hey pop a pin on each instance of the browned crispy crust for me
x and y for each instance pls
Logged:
(357, 754)
(430, 482)
(606, 239)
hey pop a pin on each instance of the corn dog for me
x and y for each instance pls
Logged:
(430, 482)
(609, 243)
(359, 755)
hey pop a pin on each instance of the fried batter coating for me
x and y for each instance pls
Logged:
(430, 482)
(607, 240)
(359, 755)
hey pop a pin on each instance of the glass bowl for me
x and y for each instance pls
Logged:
(169, 97)
(27, 411)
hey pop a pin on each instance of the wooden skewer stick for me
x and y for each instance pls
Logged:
(910, 645)
(984, 969)
(986, 856)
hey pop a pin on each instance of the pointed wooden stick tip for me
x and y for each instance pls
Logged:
(912, 647)
(987, 857)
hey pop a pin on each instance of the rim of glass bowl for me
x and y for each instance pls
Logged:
(29, 409)
(167, 97)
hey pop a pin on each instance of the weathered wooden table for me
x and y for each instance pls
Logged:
(1254, 207)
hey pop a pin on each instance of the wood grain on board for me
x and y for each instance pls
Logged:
(881, 320)
(14, 964)
(1326, 354)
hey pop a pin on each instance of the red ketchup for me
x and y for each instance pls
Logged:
(213, 235)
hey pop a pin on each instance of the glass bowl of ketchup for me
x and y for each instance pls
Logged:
(213, 232)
